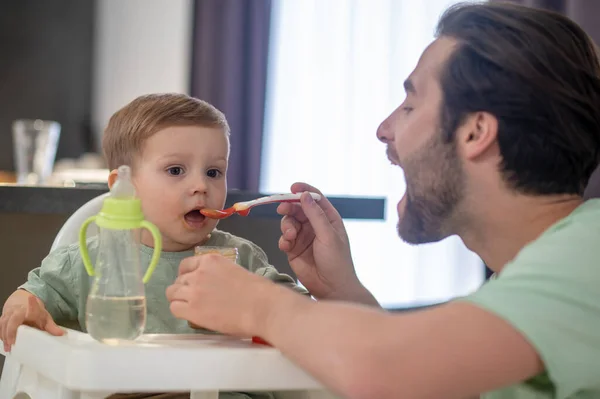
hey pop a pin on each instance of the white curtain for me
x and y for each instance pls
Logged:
(336, 71)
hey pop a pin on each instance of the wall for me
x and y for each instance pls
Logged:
(46, 71)
(141, 46)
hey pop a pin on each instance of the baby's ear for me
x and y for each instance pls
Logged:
(112, 178)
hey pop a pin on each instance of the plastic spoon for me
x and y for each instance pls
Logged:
(243, 208)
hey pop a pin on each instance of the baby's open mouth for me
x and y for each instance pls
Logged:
(194, 218)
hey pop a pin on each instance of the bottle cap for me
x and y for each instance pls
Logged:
(121, 210)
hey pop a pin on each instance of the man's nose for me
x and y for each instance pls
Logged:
(385, 132)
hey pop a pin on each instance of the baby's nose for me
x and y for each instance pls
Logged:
(199, 186)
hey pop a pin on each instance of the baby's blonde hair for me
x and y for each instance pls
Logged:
(133, 124)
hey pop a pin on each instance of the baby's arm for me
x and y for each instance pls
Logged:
(258, 263)
(20, 308)
(274, 275)
(48, 295)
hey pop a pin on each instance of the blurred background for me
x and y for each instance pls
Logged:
(304, 84)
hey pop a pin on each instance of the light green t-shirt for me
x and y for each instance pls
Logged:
(63, 284)
(550, 293)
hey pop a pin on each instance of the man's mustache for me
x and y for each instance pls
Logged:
(392, 156)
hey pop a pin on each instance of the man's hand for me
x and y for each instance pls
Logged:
(316, 243)
(24, 308)
(215, 293)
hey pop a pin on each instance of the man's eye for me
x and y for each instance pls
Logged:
(407, 109)
(175, 171)
(213, 173)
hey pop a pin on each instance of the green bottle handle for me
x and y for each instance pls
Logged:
(85, 256)
(157, 248)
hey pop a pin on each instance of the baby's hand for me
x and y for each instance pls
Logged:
(32, 313)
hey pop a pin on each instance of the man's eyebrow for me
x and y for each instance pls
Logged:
(409, 87)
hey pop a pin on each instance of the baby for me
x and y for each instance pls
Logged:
(178, 151)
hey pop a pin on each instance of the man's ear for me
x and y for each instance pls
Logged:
(478, 134)
(112, 178)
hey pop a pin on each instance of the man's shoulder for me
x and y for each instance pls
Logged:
(549, 293)
(574, 239)
(585, 218)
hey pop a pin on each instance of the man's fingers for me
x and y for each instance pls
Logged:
(290, 234)
(188, 265)
(178, 292)
(328, 208)
(285, 245)
(317, 217)
(284, 208)
(290, 225)
(180, 309)
(299, 187)
(292, 209)
(172, 290)
(290, 228)
(191, 264)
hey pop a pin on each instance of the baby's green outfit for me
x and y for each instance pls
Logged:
(63, 284)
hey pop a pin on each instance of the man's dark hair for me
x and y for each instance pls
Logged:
(538, 73)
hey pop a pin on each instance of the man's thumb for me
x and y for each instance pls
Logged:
(315, 215)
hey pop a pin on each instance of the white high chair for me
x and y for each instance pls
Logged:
(69, 232)
(37, 370)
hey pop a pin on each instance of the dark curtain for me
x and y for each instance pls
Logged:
(554, 5)
(586, 13)
(229, 70)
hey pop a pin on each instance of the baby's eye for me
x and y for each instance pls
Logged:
(175, 171)
(213, 173)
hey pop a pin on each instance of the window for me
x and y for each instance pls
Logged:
(336, 71)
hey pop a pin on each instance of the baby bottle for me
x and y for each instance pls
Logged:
(116, 304)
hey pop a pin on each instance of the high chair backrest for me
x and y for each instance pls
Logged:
(69, 232)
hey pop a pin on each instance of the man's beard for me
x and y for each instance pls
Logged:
(434, 189)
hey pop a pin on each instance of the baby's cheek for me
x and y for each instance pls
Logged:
(155, 211)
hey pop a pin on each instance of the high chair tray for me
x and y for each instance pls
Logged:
(158, 362)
